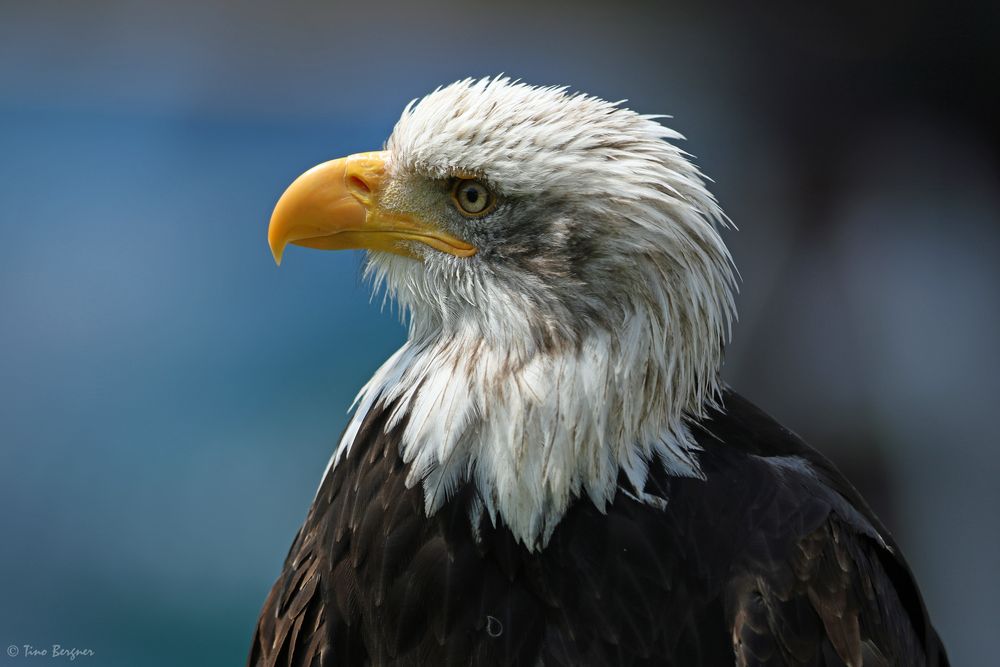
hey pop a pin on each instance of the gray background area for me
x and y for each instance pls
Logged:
(168, 398)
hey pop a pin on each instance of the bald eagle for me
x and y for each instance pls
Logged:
(550, 470)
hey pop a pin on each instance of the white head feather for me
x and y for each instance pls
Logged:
(586, 332)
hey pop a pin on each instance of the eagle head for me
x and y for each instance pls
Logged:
(527, 230)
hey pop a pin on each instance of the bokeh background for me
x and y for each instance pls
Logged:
(169, 399)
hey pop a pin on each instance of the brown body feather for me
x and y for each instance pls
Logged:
(772, 559)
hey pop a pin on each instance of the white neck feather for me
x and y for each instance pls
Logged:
(536, 433)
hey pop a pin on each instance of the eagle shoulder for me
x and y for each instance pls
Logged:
(819, 579)
(291, 629)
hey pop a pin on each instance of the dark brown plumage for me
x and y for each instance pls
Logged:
(772, 559)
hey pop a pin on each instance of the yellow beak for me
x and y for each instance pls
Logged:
(334, 206)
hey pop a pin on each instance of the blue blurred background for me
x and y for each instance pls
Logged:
(169, 399)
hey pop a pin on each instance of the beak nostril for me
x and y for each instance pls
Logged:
(358, 185)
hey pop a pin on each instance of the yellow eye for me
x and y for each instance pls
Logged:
(472, 197)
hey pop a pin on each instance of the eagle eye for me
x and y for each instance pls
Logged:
(472, 198)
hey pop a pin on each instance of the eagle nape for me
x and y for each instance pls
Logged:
(550, 470)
